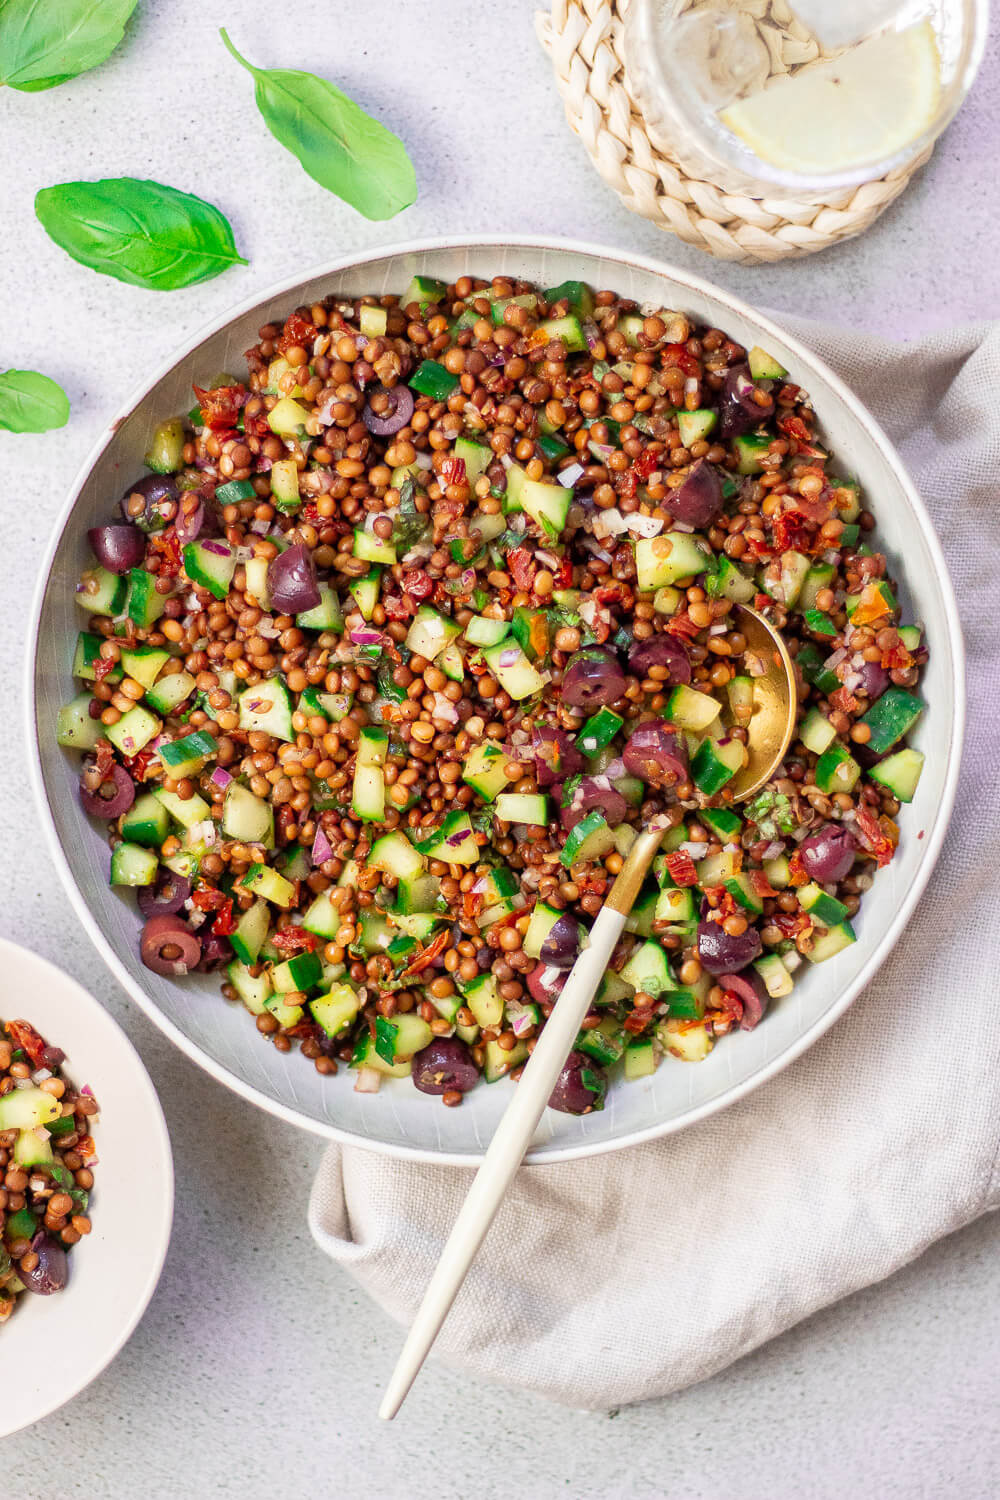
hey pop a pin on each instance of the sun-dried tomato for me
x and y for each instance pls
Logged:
(397, 607)
(453, 470)
(636, 1021)
(874, 836)
(794, 427)
(793, 532)
(681, 867)
(844, 699)
(797, 872)
(138, 764)
(790, 923)
(305, 1031)
(564, 574)
(256, 425)
(167, 546)
(683, 625)
(102, 666)
(104, 757)
(521, 567)
(418, 584)
(299, 332)
(761, 885)
(224, 923)
(221, 408)
(426, 958)
(681, 356)
(294, 940)
(26, 1037)
(897, 658)
(609, 593)
(207, 898)
(472, 903)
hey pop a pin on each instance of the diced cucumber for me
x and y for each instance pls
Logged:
(546, 504)
(430, 632)
(543, 919)
(878, 593)
(689, 709)
(476, 457)
(365, 590)
(101, 593)
(675, 904)
(371, 548)
(900, 773)
(261, 880)
(258, 997)
(777, 980)
(820, 576)
(831, 942)
(590, 839)
(910, 635)
(146, 822)
(375, 935)
(133, 865)
(144, 664)
(523, 807)
(86, 656)
(661, 560)
(395, 855)
(816, 732)
(75, 729)
(484, 769)
(778, 872)
(695, 426)
(187, 756)
(168, 693)
(326, 615)
(740, 887)
(483, 999)
(322, 917)
(764, 366)
(716, 869)
(454, 842)
(303, 972)
(640, 1059)
(186, 811)
(836, 770)
(811, 661)
(288, 418)
(27, 1109)
(740, 692)
(640, 919)
(421, 925)
(373, 745)
(824, 909)
(284, 477)
(335, 1011)
(143, 604)
(604, 1043)
(368, 793)
(247, 817)
(530, 628)
(598, 732)
(724, 824)
(211, 565)
(420, 895)
(33, 1148)
(165, 453)
(513, 670)
(134, 730)
(690, 1041)
(648, 969)
(577, 293)
(890, 717)
(482, 631)
(793, 569)
(250, 933)
(568, 330)
(452, 663)
(332, 706)
(266, 707)
(498, 1062)
(714, 763)
(432, 379)
(752, 450)
(729, 582)
(366, 1056)
(422, 290)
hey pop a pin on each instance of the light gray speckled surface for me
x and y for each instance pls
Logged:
(257, 1367)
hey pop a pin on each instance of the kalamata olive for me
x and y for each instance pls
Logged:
(117, 547)
(556, 757)
(873, 679)
(169, 946)
(113, 797)
(574, 1093)
(591, 792)
(698, 501)
(656, 755)
(155, 491)
(561, 944)
(661, 651)
(750, 993)
(744, 405)
(165, 897)
(593, 677)
(545, 983)
(291, 581)
(828, 854)
(444, 1064)
(396, 414)
(189, 523)
(51, 1273)
(722, 953)
(216, 950)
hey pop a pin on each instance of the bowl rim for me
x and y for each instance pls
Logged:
(860, 414)
(162, 1224)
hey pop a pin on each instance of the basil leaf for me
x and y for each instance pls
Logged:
(385, 1039)
(342, 148)
(42, 45)
(140, 232)
(30, 402)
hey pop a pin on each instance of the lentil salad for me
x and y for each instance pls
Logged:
(409, 631)
(46, 1158)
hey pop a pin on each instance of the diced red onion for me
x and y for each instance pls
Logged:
(220, 549)
(322, 850)
(364, 635)
(568, 477)
(221, 777)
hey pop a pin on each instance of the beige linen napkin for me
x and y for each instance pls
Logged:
(624, 1277)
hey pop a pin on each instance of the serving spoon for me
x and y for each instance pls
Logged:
(769, 734)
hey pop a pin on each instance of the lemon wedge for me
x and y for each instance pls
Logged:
(853, 110)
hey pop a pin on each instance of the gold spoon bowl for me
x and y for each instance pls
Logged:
(775, 703)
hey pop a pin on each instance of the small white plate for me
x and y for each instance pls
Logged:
(51, 1348)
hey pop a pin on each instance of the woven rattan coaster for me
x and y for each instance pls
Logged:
(584, 40)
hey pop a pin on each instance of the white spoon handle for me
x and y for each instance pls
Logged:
(503, 1157)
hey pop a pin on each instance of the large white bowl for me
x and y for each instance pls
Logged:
(52, 1347)
(399, 1120)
